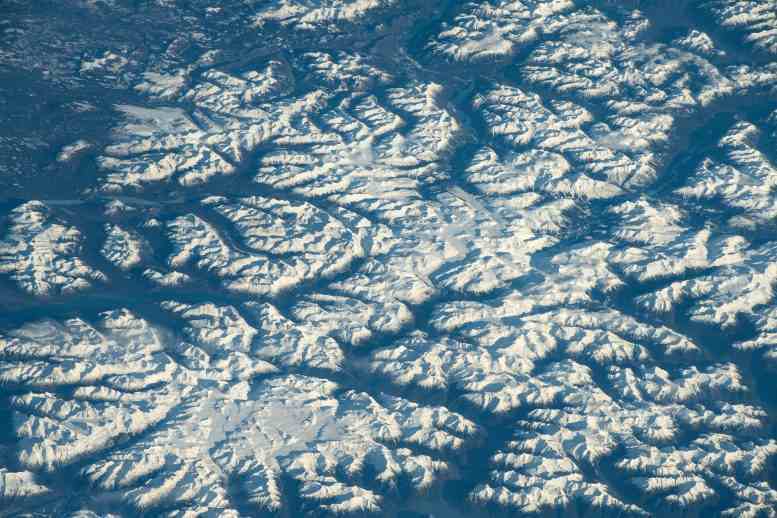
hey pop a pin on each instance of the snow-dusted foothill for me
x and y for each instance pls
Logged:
(496, 355)
(316, 14)
(177, 153)
(393, 258)
(71, 151)
(344, 71)
(756, 21)
(269, 336)
(522, 120)
(232, 115)
(266, 245)
(699, 42)
(743, 178)
(19, 485)
(570, 451)
(741, 285)
(494, 30)
(198, 417)
(166, 279)
(370, 156)
(41, 253)
(124, 248)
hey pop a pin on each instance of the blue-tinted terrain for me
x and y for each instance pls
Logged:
(397, 258)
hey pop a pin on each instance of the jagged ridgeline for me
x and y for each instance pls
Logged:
(390, 258)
